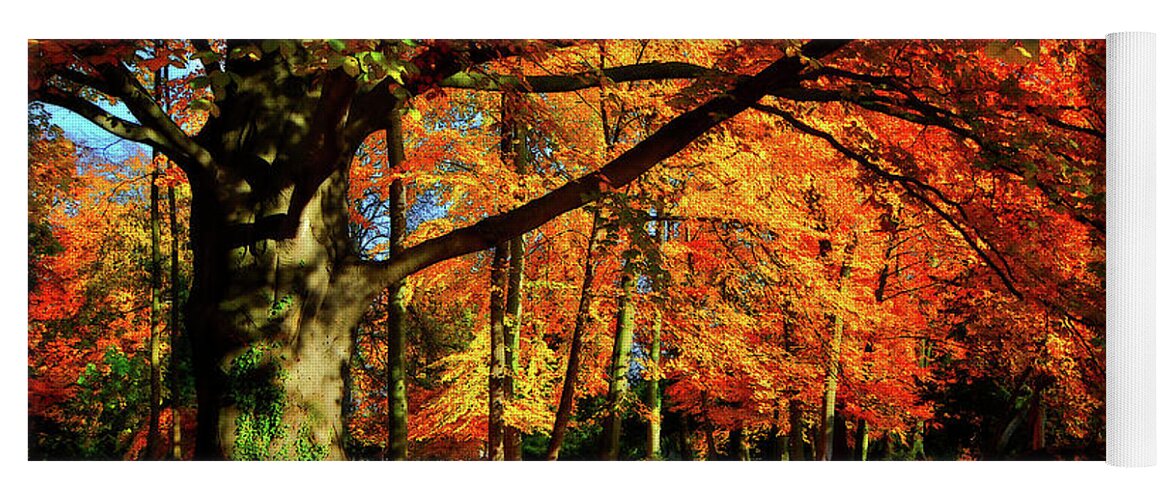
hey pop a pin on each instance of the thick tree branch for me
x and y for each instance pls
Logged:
(577, 81)
(98, 116)
(85, 80)
(183, 149)
(665, 142)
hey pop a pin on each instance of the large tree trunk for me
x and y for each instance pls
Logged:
(276, 287)
(271, 316)
(396, 308)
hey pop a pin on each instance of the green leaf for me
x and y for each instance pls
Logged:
(374, 57)
(395, 70)
(336, 45)
(208, 57)
(351, 67)
(200, 105)
(205, 105)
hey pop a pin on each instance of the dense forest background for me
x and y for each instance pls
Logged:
(876, 250)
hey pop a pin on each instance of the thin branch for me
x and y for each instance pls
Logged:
(912, 187)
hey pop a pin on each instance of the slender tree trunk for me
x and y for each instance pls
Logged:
(713, 452)
(1037, 424)
(863, 440)
(497, 364)
(156, 301)
(782, 446)
(164, 98)
(863, 436)
(397, 410)
(512, 325)
(653, 394)
(825, 448)
(573, 364)
(396, 310)
(654, 398)
(619, 366)
(918, 452)
(842, 449)
(794, 444)
(796, 431)
(833, 369)
(156, 306)
(176, 387)
(514, 148)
